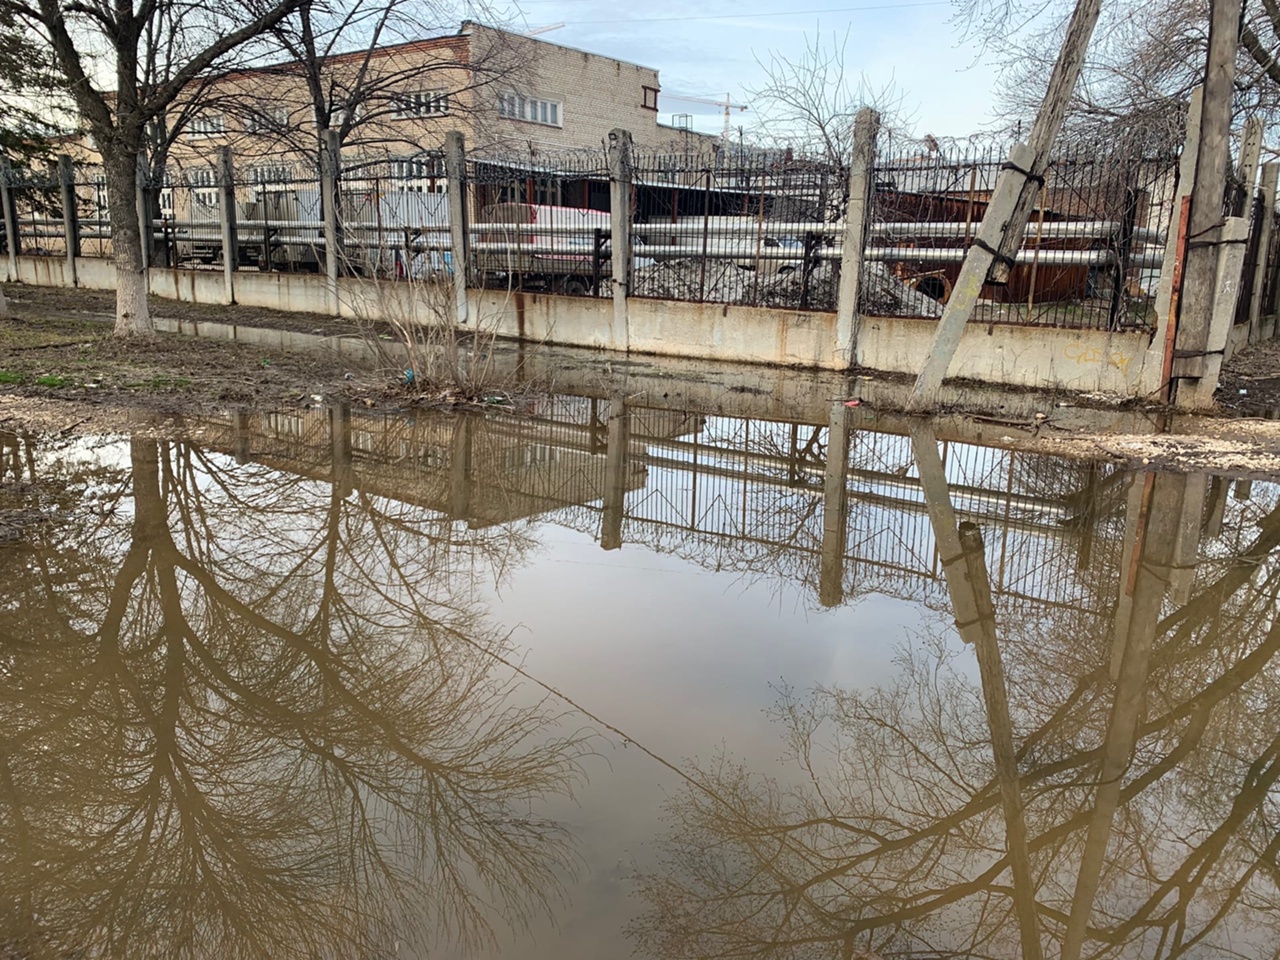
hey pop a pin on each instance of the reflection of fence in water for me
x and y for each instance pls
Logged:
(747, 496)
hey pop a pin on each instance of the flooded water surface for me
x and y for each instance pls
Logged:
(592, 679)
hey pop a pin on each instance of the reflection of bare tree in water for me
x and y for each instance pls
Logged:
(1142, 789)
(254, 718)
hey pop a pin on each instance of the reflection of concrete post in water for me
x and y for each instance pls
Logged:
(1190, 528)
(1244, 488)
(340, 445)
(835, 507)
(460, 468)
(10, 457)
(963, 557)
(1217, 508)
(615, 474)
(241, 437)
(1152, 542)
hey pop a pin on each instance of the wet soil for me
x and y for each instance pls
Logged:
(1250, 382)
(59, 348)
(49, 302)
(76, 358)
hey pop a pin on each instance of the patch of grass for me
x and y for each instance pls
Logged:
(11, 376)
(52, 380)
(168, 383)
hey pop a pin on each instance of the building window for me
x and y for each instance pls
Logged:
(417, 168)
(268, 120)
(205, 125)
(531, 109)
(199, 177)
(422, 103)
(650, 98)
(271, 173)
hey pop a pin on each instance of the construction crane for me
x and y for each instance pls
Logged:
(728, 105)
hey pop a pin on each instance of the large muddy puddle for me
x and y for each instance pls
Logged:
(598, 680)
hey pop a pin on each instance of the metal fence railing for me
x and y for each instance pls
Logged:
(1093, 247)
(760, 228)
(752, 227)
(541, 222)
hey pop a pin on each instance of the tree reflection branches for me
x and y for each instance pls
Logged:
(249, 715)
(1147, 788)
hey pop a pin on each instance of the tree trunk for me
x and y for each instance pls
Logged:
(133, 316)
(4, 306)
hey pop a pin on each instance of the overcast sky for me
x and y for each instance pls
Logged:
(711, 48)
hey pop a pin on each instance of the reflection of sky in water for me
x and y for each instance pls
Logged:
(684, 660)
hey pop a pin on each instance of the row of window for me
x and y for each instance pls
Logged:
(408, 168)
(518, 107)
(419, 103)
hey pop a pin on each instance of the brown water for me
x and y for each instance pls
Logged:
(592, 680)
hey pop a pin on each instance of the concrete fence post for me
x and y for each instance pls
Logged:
(973, 276)
(617, 447)
(330, 173)
(227, 221)
(620, 177)
(70, 218)
(852, 257)
(1196, 392)
(1270, 178)
(9, 210)
(835, 507)
(1247, 168)
(455, 171)
(146, 220)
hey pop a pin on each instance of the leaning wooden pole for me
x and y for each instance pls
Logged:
(1000, 235)
(1053, 110)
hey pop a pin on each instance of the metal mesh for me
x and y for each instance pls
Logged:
(541, 222)
(747, 227)
(37, 202)
(1092, 250)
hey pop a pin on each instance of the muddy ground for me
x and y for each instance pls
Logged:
(61, 371)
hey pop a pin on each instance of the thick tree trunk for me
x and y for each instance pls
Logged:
(133, 316)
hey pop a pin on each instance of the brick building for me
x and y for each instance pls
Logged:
(511, 96)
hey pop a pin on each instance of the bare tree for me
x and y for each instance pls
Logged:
(124, 65)
(809, 103)
(1143, 63)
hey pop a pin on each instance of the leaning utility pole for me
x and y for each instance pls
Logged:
(991, 257)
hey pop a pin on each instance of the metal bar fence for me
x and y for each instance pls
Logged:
(541, 222)
(752, 227)
(1092, 252)
(36, 197)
